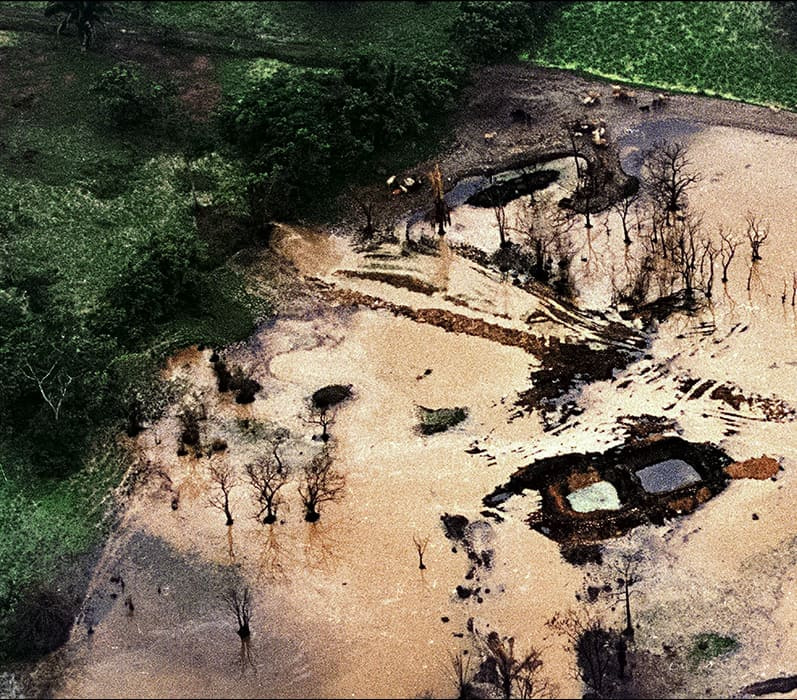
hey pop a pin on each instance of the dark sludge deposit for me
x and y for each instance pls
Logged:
(588, 497)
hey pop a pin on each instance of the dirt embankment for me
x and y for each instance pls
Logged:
(518, 114)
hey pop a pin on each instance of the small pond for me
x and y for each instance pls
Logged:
(598, 496)
(511, 184)
(666, 476)
(480, 191)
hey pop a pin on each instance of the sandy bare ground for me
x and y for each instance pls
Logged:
(340, 607)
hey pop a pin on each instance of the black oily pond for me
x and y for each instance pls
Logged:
(518, 185)
(557, 478)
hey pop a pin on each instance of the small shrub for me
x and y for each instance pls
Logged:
(331, 395)
(244, 387)
(223, 375)
(709, 645)
(494, 31)
(246, 393)
(512, 257)
(111, 175)
(128, 98)
(436, 420)
(189, 419)
(582, 554)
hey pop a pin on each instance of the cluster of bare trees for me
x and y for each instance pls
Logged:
(600, 650)
(676, 251)
(513, 673)
(545, 249)
(268, 474)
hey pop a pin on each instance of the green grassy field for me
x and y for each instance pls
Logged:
(728, 49)
(333, 30)
(47, 522)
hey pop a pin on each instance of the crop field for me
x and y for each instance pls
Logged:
(733, 50)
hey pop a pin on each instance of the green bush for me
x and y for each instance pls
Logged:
(303, 133)
(708, 645)
(488, 32)
(111, 174)
(128, 97)
(160, 277)
(436, 420)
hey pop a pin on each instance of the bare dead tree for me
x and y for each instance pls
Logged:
(635, 292)
(728, 245)
(593, 646)
(669, 176)
(267, 475)
(586, 190)
(322, 416)
(623, 207)
(53, 385)
(627, 568)
(321, 483)
(684, 250)
(240, 604)
(460, 672)
(367, 207)
(532, 684)
(420, 546)
(515, 672)
(545, 233)
(707, 258)
(659, 234)
(442, 214)
(757, 234)
(793, 286)
(365, 200)
(499, 209)
(586, 176)
(223, 476)
(574, 132)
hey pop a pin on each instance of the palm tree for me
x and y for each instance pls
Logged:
(82, 14)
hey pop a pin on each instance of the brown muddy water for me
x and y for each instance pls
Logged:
(341, 608)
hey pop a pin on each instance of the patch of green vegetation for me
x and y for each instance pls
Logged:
(8, 39)
(331, 31)
(437, 420)
(728, 49)
(46, 523)
(709, 645)
(103, 272)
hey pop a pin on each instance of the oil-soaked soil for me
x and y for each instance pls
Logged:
(557, 477)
